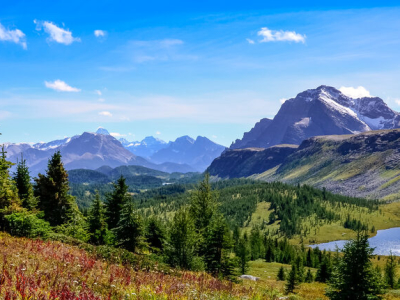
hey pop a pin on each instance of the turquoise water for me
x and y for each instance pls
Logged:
(385, 241)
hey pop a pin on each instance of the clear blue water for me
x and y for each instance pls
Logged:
(385, 241)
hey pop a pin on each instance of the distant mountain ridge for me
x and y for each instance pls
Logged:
(321, 111)
(94, 150)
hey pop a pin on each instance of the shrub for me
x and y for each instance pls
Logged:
(27, 224)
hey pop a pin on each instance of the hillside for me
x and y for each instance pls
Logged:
(321, 111)
(35, 269)
(363, 165)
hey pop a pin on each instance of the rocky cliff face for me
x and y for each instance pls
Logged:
(321, 111)
(365, 164)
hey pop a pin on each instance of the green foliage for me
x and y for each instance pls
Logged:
(52, 192)
(23, 183)
(218, 242)
(155, 234)
(309, 277)
(353, 276)
(281, 274)
(181, 251)
(116, 201)
(8, 191)
(97, 224)
(202, 206)
(324, 271)
(243, 254)
(27, 224)
(130, 230)
(390, 271)
(292, 280)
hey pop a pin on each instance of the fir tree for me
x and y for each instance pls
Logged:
(97, 222)
(353, 276)
(8, 192)
(324, 271)
(390, 270)
(281, 274)
(182, 240)
(243, 254)
(23, 183)
(203, 206)
(52, 192)
(292, 280)
(309, 276)
(218, 242)
(155, 234)
(116, 201)
(129, 232)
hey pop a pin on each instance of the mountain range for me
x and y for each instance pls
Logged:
(94, 150)
(364, 165)
(321, 111)
(322, 138)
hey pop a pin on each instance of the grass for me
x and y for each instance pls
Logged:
(388, 216)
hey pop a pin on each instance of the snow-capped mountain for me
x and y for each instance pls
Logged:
(321, 111)
(146, 148)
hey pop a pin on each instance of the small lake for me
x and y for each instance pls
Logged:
(385, 241)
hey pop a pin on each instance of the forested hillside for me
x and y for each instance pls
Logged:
(147, 246)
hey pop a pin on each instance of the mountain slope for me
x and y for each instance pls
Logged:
(363, 165)
(321, 111)
(197, 153)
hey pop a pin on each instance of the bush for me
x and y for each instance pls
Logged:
(27, 224)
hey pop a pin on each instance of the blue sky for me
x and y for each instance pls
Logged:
(168, 69)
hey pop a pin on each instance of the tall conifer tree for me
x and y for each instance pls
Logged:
(52, 192)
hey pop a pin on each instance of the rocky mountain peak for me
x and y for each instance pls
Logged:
(321, 111)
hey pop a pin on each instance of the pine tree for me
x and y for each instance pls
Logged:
(324, 271)
(52, 192)
(98, 227)
(129, 232)
(23, 183)
(182, 240)
(292, 280)
(203, 205)
(155, 234)
(353, 276)
(309, 276)
(281, 274)
(243, 254)
(218, 242)
(8, 191)
(115, 202)
(390, 270)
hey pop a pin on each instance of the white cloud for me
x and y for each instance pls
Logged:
(100, 33)
(282, 100)
(397, 101)
(357, 92)
(250, 41)
(15, 36)
(60, 86)
(97, 92)
(101, 100)
(269, 35)
(57, 34)
(214, 136)
(105, 113)
(158, 133)
(116, 134)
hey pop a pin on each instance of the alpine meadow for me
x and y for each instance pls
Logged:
(214, 150)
